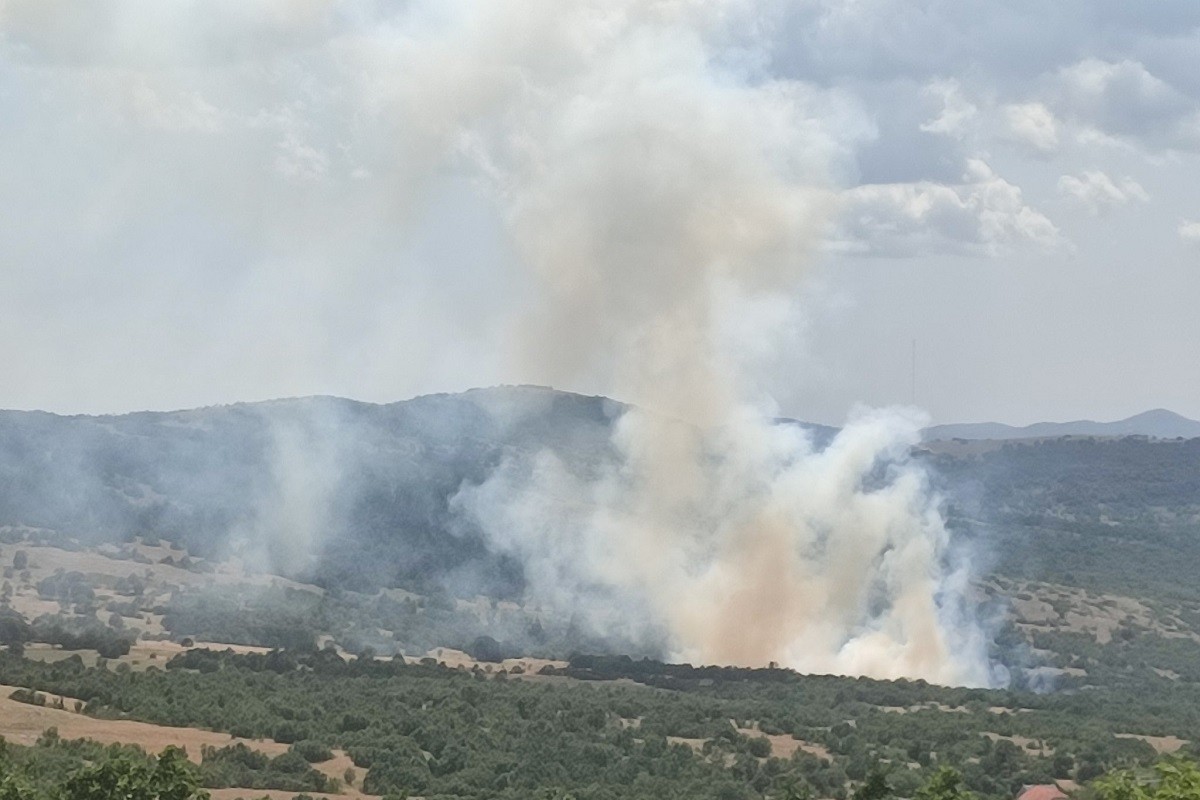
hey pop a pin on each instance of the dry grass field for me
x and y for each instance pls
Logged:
(23, 723)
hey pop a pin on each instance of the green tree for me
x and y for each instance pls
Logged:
(946, 784)
(796, 791)
(175, 778)
(171, 777)
(1121, 786)
(759, 746)
(1177, 779)
(12, 789)
(875, 787)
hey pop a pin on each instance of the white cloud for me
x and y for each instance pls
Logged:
(957, 112)
(147, 100)
(300, 161)
(1123, 99)
(1098, 193)
(1190, 232)
(983, 215)
(198, 158)
(1033, 125)
(1105, 87)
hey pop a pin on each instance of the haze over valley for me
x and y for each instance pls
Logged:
(573, 400)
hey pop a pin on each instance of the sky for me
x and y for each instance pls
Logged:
(204, 203)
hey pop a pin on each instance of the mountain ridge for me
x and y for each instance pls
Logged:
(1158, 423)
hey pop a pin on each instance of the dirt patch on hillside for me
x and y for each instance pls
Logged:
(785, 746)
(145, 654)
(337, 766)
(1043, 606)
(44, 560)
(273, 794)
(695, 744)
(1163, 745)
(23, 723)
(142, 654)
(942, 707)
(1030, 746)
(112, 571)
(457, 659)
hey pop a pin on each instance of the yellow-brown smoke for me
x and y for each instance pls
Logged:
(658, 196)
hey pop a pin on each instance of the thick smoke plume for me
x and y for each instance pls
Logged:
(665, 199)
(659, 192)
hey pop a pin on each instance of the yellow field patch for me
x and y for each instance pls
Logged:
(23, 723)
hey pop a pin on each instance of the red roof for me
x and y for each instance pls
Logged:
(1044, 792)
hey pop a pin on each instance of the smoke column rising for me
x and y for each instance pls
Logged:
(658, 193)
(660, 196)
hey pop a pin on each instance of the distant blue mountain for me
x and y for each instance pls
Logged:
(1157, 424)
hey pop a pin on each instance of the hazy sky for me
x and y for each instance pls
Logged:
(205, 202)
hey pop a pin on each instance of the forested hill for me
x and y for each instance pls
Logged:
(1120, 514)
(375, 482)
(379, 477)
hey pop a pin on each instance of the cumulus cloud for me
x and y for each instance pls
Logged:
(1032, 125)
(1098, 193)
(1190, 232)
(1123, 99)
(982, 215)
(956, 111)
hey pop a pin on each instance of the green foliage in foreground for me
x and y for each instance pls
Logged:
(83, 770)
(946, 784)
(56, 770)
(694, 734)
(1173, 779)
(170, 777)
(41, 771)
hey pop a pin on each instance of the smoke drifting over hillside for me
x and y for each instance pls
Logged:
(763, 551)
(657, 194)
(662, 201)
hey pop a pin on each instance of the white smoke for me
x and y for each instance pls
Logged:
(652, 188)
(660, 189)
(308, 454)
(759, 548)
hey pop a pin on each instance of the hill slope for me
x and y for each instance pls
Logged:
(369, 487)
(370, 483)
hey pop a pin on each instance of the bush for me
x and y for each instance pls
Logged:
(760, 747)
(289, 733)
(353, 722)
(28, 696)
(485, 648)
(312, 751)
